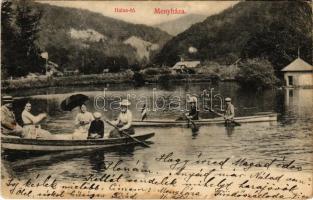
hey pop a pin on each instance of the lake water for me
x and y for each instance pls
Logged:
(291, 136)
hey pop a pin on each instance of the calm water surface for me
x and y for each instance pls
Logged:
(291, 136)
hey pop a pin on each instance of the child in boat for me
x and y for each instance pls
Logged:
(96, 129)
(123, 122)
(31, 129)
(82, 121)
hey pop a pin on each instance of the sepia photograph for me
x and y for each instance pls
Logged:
(156, 99)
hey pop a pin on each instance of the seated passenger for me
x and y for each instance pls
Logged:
(31, 129)
(82, 122)
(9, 126)
(123, 122)
(96, 129)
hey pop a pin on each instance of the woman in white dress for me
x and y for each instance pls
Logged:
(31, 129)
(82, 122)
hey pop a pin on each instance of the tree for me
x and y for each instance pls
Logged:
(7, 38)
(27, 21)
(256, 74)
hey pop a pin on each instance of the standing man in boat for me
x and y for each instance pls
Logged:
(229, 111)
(193, 113)
(9, 126)
(31, 129)
(96, 129)
(124, 121)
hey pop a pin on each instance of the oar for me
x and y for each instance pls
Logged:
(219, 114)
(140, 142)
(194, 128)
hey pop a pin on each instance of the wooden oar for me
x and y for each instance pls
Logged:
(194, 128)
(123, 132)
(219, 114)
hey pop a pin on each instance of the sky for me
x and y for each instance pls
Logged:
(144, 10)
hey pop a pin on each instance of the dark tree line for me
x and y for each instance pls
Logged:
(20, 28)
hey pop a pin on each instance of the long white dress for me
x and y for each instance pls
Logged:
(82, 131)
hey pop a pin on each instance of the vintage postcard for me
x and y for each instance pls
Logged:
(156, 100)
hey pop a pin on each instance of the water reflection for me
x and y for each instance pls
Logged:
(299, 102)
(292, 136)
(97, 161)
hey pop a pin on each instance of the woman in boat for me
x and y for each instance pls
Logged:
(123, 122)
(31, 129)
(82, 122)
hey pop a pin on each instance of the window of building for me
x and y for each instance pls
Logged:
(290, 80)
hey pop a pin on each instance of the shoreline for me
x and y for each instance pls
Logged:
(99, 79)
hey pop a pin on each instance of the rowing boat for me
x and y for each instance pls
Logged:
(12, 143)
(266, 117)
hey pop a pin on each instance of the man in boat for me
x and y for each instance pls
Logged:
(193, 113)
(123, 122)
(9, 126)
(96, 129)
(31, 129)
(229, 111)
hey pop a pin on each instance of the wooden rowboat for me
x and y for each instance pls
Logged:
(11, 143)
(266, 117)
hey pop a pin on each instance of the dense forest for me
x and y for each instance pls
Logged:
(269, 30)
(74, 38)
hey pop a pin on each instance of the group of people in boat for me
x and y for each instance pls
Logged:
(91, 126)
(88, 125)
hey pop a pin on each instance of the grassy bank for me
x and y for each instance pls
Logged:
(98, 79)
(79, 80)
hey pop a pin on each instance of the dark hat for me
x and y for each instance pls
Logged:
(7, 99)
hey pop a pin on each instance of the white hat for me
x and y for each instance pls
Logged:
(125, 102)
(227, 99)
(97, 115)
(192, 99)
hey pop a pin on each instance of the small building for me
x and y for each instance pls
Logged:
(298, 74)
(185, 66)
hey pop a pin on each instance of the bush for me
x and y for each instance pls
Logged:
(256, 74)
(138, 79)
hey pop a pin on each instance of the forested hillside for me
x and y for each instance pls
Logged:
(262, 29)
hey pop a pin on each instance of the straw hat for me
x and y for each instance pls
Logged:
(192, 99)
(227, 99)
(97, 115)
(125, 102)
(7, 99)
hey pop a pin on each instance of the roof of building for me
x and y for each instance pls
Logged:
(188, 64)
(298, 65)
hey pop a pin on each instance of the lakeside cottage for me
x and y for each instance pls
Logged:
(183, 66)
(298, 74)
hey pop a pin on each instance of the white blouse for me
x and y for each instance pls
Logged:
(125, 118)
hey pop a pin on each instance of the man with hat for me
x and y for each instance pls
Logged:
(229, 111)
(9, 125)
(124, 121)
(96, 129)
(193, 113)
